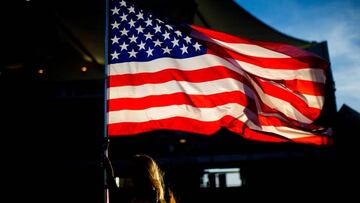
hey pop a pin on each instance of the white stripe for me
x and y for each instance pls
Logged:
(209, 60)
(285, 108)
(201, 88)
(287, 132)
(187, 111)
(314, 101)
(248, 49)
(187, 64)
(310, 100)
(200, 114)
(280, 105)
(316, 75)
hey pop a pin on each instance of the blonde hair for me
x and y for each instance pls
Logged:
(148, 175)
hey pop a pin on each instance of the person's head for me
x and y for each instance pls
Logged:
(147, 179)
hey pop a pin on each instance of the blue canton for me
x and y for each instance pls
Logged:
(139, 36)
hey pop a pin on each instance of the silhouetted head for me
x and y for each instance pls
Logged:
(147, 179)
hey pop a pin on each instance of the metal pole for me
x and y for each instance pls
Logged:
(105, 150)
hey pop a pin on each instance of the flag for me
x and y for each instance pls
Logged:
(199, 80)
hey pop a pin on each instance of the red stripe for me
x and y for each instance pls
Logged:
(313, 60)
(201, 75)
(221, 36)
(318, 140)
(267, 63)
(304, 87)
(238, 127)
(205, 128)
(270, 137)
(176, 123)
(291, 97)
(200, 101)
(270, 120)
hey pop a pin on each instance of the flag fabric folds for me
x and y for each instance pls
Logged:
(164, 78)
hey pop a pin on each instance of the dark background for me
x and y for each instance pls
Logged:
(52, 124)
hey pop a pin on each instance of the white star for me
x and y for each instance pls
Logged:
(148, 35)
(197, 46)
(175, 42)
(141, 45)
(157, 43)
(132, 53)
(122, 3)
(169, 27)
(187, 39)
(160, 21)
(148, 22)
(157, 29)
(124, 32)
(178, 33)
(140, 16)
(149, 52)
(166, 50)
(124, 46)
(132, 23)
(140, 29)
(115, 10)
(123, 17)
(166, 35)
(115, 25)
(131, 9)
(184, 49)
(115, 55)
(133, 38)
(115, 39)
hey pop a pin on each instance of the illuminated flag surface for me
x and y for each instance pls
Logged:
(199, 80)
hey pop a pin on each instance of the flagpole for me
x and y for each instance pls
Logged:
(105, 144)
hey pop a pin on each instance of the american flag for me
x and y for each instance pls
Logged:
(163, 78)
